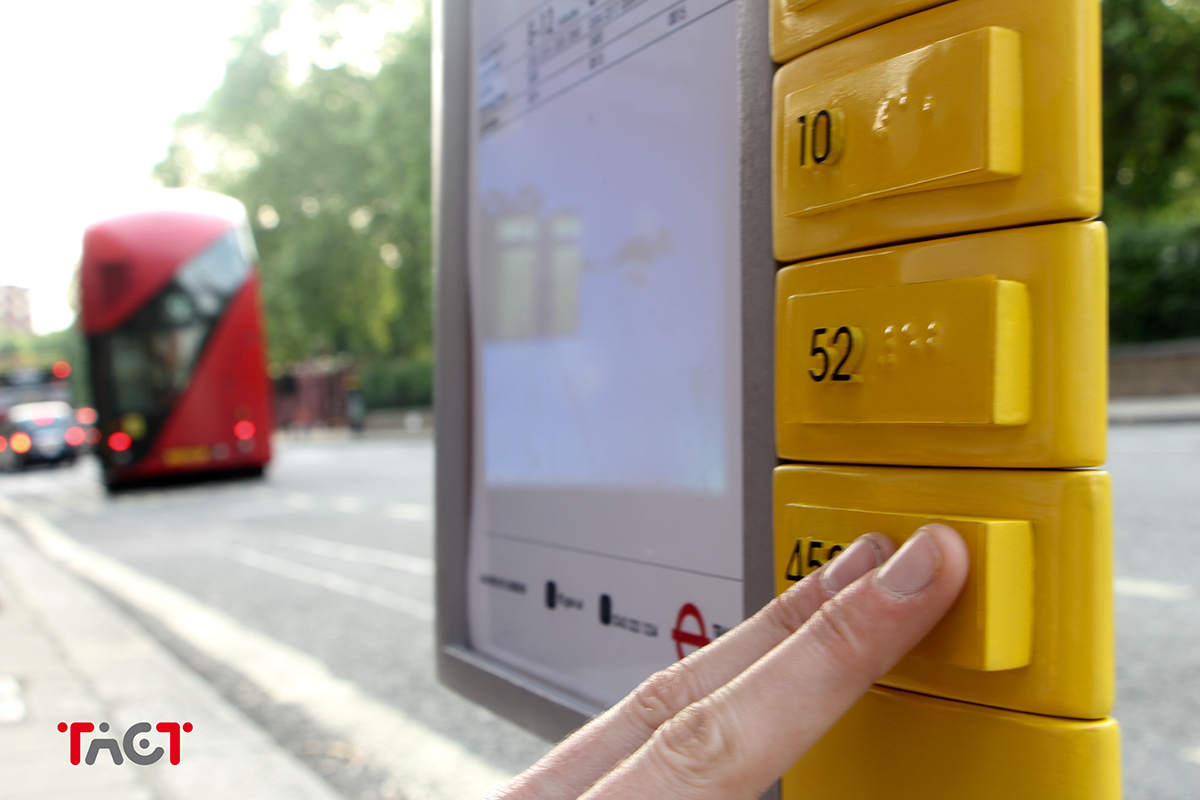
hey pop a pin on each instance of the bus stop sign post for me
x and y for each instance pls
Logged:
(609, 497)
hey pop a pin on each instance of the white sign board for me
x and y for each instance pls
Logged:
(605, 537)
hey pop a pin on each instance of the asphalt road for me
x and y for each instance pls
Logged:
(331, 554)
(1156, 519)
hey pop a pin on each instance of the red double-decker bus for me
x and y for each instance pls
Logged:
(170, 307)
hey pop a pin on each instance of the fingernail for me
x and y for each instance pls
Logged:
(913, 566)
(858, 559)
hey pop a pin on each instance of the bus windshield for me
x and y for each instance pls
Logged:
(146, 363)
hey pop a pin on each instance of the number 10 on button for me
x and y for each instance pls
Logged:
(821, 135)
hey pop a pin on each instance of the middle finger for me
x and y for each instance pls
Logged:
(603, 743)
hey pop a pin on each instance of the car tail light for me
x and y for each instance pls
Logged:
(93, 436)
(74, 436)
(244, 430)
(20, 442)
(85, 416)
(3, 444)
(61, 369)
(119, 441)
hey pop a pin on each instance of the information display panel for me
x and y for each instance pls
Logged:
(605, 537)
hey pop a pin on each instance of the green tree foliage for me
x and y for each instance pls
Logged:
(335, 172)
(1155, 283)
(1152, 166)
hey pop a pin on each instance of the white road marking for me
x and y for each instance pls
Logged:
(1155, 590)
(409, 511)
(422, 763)
(254, 509)
(332, 581)
(358, 553)
(79, 503)
(150, 498)
(350, 505)
(300, 500)
(12, 701)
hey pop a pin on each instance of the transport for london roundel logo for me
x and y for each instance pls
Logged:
(682, 635)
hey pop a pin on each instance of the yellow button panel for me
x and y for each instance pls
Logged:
(1065, 643)
(979, 350)
(798, 26)
(990, 625)
(957, 122)
(973, 115)
(903, 746)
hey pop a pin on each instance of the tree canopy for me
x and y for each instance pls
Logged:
(1152, 166)
(333, 165)
(334, 170)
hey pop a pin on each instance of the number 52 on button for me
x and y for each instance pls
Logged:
(838, 351)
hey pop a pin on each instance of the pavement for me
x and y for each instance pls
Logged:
(67, 654)
(1135, 410)
(71, 651)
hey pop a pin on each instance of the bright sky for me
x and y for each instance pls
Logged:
(92, 91)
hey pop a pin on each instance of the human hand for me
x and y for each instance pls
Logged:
(728, 720)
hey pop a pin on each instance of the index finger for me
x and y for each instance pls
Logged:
(591, 752)
(742, 737)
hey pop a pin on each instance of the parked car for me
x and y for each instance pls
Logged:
(44, 432)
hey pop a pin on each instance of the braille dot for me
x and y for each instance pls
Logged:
(144, 743)
(187, 727)
(104, 727)
(62, 727)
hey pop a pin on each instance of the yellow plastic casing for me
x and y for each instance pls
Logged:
(958, 122)
(989, 628)
(983, 350)
(1068, 669)
(798, 26)
(973, 115)
(904, 746)
(968, 364)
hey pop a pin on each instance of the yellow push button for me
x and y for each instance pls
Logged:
(903, 746)
(940, 122)
(1052, 657)
(957, 121)
(980, 350)
(990, 625)
(798, 26)
(919, 374)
